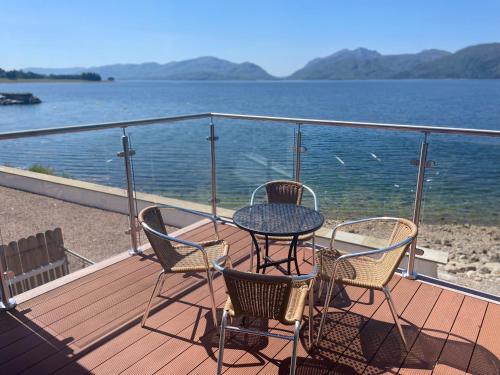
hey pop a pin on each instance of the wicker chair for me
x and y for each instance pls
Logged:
(363, 270)
(284, 191)
(189, 257)
(254, 295)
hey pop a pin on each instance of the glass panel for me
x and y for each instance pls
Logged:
(44, 186)
(359, 173)
(173, 161)
(250, 154)
(460, 218)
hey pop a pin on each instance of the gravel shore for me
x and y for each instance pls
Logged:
(93, 233)
(473, 252)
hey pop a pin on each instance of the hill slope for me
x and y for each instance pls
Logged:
(362, 63)
(480, 61)
(202, 68)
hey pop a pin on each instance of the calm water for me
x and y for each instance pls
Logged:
(354, 172)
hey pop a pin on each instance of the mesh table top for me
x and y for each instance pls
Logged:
(278, 219)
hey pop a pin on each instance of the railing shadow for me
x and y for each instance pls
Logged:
(23, 340)
(380, 345)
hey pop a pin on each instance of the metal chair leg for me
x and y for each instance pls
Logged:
(311, 315)
(329, 293)
(320, 289)
(153, 294)
(221, 342)
(162, 283)
(314, 250)
(394, 313)
(251, 256)
(212, 297)
(293, 364)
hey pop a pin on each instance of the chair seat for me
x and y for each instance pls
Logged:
(359, 271)
(295, 307)
(189, 259)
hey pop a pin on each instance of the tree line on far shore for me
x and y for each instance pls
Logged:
(20, 74)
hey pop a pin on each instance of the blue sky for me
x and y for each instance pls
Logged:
(281, 36)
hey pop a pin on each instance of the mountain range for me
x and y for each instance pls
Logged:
(479, 61)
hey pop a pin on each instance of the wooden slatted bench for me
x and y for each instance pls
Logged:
(36, 260)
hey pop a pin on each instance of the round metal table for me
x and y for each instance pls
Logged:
(277, 220)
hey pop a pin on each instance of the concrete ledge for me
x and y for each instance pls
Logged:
(94, 195)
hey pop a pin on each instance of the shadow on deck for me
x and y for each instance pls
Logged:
(92, 325)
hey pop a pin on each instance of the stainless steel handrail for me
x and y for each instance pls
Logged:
(365, 125)
(92, 127)
(289, 120)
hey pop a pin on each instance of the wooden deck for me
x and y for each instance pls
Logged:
(91, 325)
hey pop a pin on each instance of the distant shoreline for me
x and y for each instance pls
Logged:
(48, 80)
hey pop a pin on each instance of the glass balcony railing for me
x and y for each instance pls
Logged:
(214, 161)
(55, 218)
(460, 215)
(249, 154)
(359, 173)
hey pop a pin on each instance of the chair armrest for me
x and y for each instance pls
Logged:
(315, 200)
(174, 239)
(220, 261)
(252, 198)
(405, 242)
(194, 212)
(354, 222)
(307, 278)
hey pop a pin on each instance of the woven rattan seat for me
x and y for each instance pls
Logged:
(362, 269)
(187, 259)
(365, 272)
(254, 295)
(183, 257)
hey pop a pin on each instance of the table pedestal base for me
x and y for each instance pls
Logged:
(268, 261)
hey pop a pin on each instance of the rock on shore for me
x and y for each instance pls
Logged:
(18, 98)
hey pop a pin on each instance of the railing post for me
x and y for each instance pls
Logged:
(212, 138)
(126, 154)
(298, 152)
(6, 300)
(422, 163)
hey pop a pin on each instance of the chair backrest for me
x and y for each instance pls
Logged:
(283, 191)
(256, 295)
(151, 216)
(403, 229)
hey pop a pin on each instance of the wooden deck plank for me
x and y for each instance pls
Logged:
(82, 327)
(39, 352)
(343, 336)
(486, 356)
(191, 332)
(344, 301)
(237, 345)
(76, 284)
(371, 335)
(118, 311)
(390, 356)
(457, 352)
(431, 339)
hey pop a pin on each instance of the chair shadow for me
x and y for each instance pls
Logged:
(244, 342)
(342, 331)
